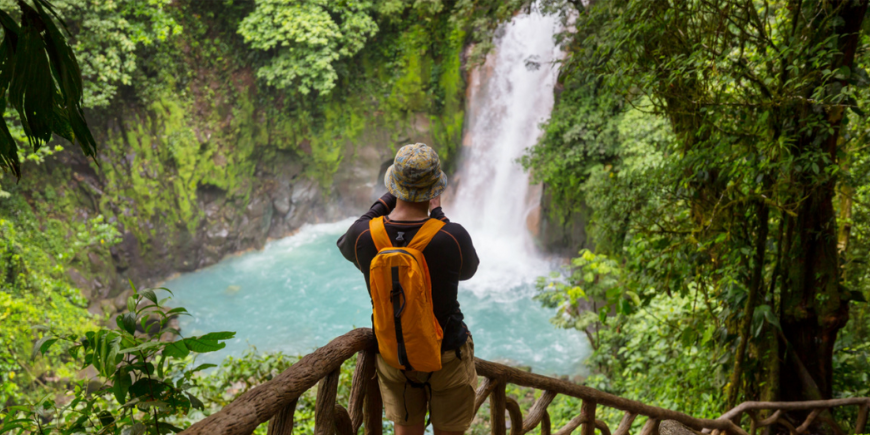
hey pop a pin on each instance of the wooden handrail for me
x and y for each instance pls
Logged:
(505, 375)
(258, 405)
(816, 407)
(275, 401)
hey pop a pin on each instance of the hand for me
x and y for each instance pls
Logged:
(434, 203)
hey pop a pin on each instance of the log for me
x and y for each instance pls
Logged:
(373, 412)
(787, 425)
(770, 420)
(483, 391)
(587, 415)
(497, 409)
(506, 375)
(324, 407)
(569, 427)
(809, 420)
(602, 426)
(343, 424)
(516, 416)
(365, 369)
(625, 424)
(793, 406)
(651, 427)
(545, 424)
(539, 409)
(862, 418)
(282, 422)
(258, 405)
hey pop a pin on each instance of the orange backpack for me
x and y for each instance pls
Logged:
(409, 336)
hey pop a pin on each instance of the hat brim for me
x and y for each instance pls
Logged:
(414, 194)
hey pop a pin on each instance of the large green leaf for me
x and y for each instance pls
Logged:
(224, 335)
(203, 346)
(122, 383)
(177, 349)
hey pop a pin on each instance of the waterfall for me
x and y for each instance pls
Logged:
(315, 295)
(508, 98)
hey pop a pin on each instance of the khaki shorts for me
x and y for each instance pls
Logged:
(453, 390)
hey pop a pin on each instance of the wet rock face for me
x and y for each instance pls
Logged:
(281, 198)
(561, 236)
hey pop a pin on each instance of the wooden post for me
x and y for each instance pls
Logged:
(625, 424)
(587, 415)
(483, 391)
(602, 427)
(343, 425)
(516, 415)
(538, 410)
(545, 423)
(365, 369)
(862, 418)
(497, 409)
(374, 408)
(282, 422)
(324, 408)
(651, 427)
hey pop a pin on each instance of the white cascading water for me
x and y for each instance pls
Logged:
(509, 97)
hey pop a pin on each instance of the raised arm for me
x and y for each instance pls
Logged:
(347, 242)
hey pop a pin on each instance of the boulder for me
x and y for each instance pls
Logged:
(673, 427)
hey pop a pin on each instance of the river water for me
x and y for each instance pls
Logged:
(299, 292)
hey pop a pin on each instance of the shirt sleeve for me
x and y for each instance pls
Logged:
(347, 242)
(469, 254)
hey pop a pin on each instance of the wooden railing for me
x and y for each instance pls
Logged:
(275, 401)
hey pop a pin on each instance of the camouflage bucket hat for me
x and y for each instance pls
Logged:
(415, 175)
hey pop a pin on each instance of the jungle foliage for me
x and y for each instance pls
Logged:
(722, 147)
(179, 96)
(44, 83)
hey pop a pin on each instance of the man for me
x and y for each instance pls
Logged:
(414, 183)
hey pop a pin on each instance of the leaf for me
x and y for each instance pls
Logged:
(178, 310)
(176, 349)
(225, 335)
(149, 294)
(203, 346)
(127, 322)
(137, 429)
(148, 389)
(160, 365)
(47, 345)
(166, 290)
(122, 383)
(38, 345)
(131, 304)
(106, 418)
(194, 402)
(202, 367)
(708, 333)
(144, 346)
(167, 428)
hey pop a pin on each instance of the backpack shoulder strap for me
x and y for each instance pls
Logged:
(425, 234)
(379, 233)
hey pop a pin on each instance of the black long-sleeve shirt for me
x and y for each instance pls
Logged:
(450, 257)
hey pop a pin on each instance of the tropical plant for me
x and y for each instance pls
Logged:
(44, 83)
(142, 381)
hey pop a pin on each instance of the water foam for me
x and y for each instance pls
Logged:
(509, 97)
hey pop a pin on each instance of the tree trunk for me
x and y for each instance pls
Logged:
(813, 306)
